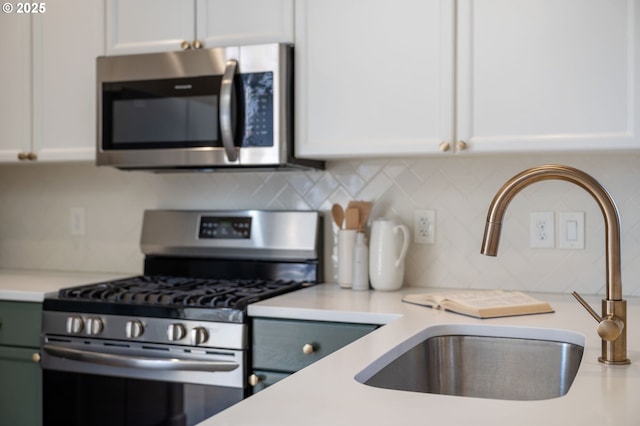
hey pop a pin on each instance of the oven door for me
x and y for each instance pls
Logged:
(93, 382)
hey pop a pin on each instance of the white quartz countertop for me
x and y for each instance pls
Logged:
(32, 286)
(326, 392)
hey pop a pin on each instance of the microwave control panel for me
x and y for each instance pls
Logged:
(258, 94)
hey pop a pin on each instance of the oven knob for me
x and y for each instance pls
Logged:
(176, 332)
(134, 329)
(74, 324)
(94, 326)
(199, 336)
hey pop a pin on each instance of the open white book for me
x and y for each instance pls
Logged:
(482, 303)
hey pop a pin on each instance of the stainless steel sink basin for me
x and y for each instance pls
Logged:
(485, 362)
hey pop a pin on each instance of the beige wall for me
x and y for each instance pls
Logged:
(35, 202)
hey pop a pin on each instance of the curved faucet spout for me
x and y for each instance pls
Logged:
(557, 172)
(613, 307)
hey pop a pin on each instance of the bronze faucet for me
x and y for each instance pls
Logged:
(612, 328)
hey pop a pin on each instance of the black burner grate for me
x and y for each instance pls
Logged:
(181, 291)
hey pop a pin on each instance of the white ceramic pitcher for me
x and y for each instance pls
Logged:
(388, 247)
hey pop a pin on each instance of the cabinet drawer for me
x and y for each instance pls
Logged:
(280, 344)
(20, 323)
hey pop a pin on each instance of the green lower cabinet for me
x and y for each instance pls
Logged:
(20, 375)
(281, 347)
(20, 387)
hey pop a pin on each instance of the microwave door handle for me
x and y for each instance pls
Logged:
(226, 93)
(138, 362)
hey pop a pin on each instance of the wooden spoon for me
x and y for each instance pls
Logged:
(338, 215)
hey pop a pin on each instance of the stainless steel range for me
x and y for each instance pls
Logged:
(172, 346)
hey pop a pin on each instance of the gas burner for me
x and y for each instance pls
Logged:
(170, 291)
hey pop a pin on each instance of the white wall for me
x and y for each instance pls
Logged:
(35, 202)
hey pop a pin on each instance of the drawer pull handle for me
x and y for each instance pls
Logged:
(35, 357)
(308, 349)
(254, 379)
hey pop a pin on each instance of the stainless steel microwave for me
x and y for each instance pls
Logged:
(204, 109)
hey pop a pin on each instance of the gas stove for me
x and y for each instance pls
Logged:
(201, 271)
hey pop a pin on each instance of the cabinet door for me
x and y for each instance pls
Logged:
(15, 85)
(21, 387)
(139, 26)
(290, 345)
(236, 22)
(373, 77)
(64, 80)
(544, 75)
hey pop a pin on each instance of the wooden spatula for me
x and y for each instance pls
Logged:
(364, 209)
(352, 218)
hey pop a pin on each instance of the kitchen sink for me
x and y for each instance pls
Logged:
(508, 363)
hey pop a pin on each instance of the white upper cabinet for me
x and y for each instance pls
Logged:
(238, 22)
(64, 79)
(373, 77)
(140, 26)
(47, 107)
(15, 86)
(546, 75)
(378, 77)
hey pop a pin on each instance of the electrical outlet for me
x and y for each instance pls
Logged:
(541, 230)
(424, 226)
(77, 221)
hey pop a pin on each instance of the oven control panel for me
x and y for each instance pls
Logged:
(220, 227)
(147, 330)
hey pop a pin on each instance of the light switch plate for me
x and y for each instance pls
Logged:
(571, 230)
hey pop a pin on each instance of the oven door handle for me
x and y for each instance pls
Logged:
(138, 362)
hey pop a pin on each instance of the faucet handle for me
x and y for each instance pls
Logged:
(609, 328)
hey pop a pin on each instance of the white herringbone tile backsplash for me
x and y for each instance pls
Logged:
(35, 202)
